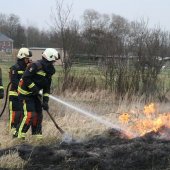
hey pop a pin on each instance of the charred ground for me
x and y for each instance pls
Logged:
(112, 150)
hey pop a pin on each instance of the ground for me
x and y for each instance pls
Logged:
(108, 151)
(97, 147)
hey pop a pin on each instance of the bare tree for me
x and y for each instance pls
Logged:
(10, 26)
(67, 31)
(61, 20)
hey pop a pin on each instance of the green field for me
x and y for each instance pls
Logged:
(84, 75)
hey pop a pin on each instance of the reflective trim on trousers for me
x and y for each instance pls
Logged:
(22, 135)
(23, 121)
(10, 114)
(38, 136)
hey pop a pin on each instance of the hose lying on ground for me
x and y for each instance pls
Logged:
(6, 99)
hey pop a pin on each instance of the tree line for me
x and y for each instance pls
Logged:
(112, 38)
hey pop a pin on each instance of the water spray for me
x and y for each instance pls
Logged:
(92, 115)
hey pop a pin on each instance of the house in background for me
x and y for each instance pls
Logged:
(6, 44)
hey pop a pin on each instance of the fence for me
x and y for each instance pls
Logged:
(7, 57)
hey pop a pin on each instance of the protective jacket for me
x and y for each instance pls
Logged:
(37, 77)
(15, 74)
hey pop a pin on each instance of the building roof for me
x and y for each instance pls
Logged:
(5, 38)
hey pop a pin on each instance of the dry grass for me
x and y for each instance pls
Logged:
(12, 161)
(79, 126)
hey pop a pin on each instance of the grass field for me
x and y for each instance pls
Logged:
(79, 126)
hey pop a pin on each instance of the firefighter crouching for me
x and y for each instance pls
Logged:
(15, 74)
(1, 86)
(37, 77)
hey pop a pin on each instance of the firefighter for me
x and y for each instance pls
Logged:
(15, 74)
(1, 86)
(37, 77)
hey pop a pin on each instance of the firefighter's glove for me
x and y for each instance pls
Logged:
(35, 90)
(1, 93)
(45, 106)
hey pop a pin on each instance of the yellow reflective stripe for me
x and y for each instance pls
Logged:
(20, 72)
(10, 112)
(23, 91)
(39, 136)
(13, 93)
(31, 85)
(20, 134)
(46, 94)
(1, 87)
(41, 73)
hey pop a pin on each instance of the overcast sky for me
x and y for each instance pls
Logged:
(37, 12)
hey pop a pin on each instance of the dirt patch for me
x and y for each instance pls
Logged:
(112, 150)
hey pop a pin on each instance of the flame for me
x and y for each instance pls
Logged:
(124, 118)
(149, 110)
(147, 121)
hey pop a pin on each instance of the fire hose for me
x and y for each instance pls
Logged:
(56, 125)
(6, 99)
(65, 136)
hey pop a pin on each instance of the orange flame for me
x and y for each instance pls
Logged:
(146, 122)
(124, 118)
(149, 110)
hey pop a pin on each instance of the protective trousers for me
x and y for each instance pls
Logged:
(32, 116)
(15, 113)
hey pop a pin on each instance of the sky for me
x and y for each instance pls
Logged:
(37, 12)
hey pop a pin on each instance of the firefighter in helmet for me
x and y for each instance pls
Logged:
(37, 77)
(15, 74)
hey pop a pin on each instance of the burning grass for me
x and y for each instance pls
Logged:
(147, 120)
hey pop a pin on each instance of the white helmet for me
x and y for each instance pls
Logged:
(51, 54)
(23, 53)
